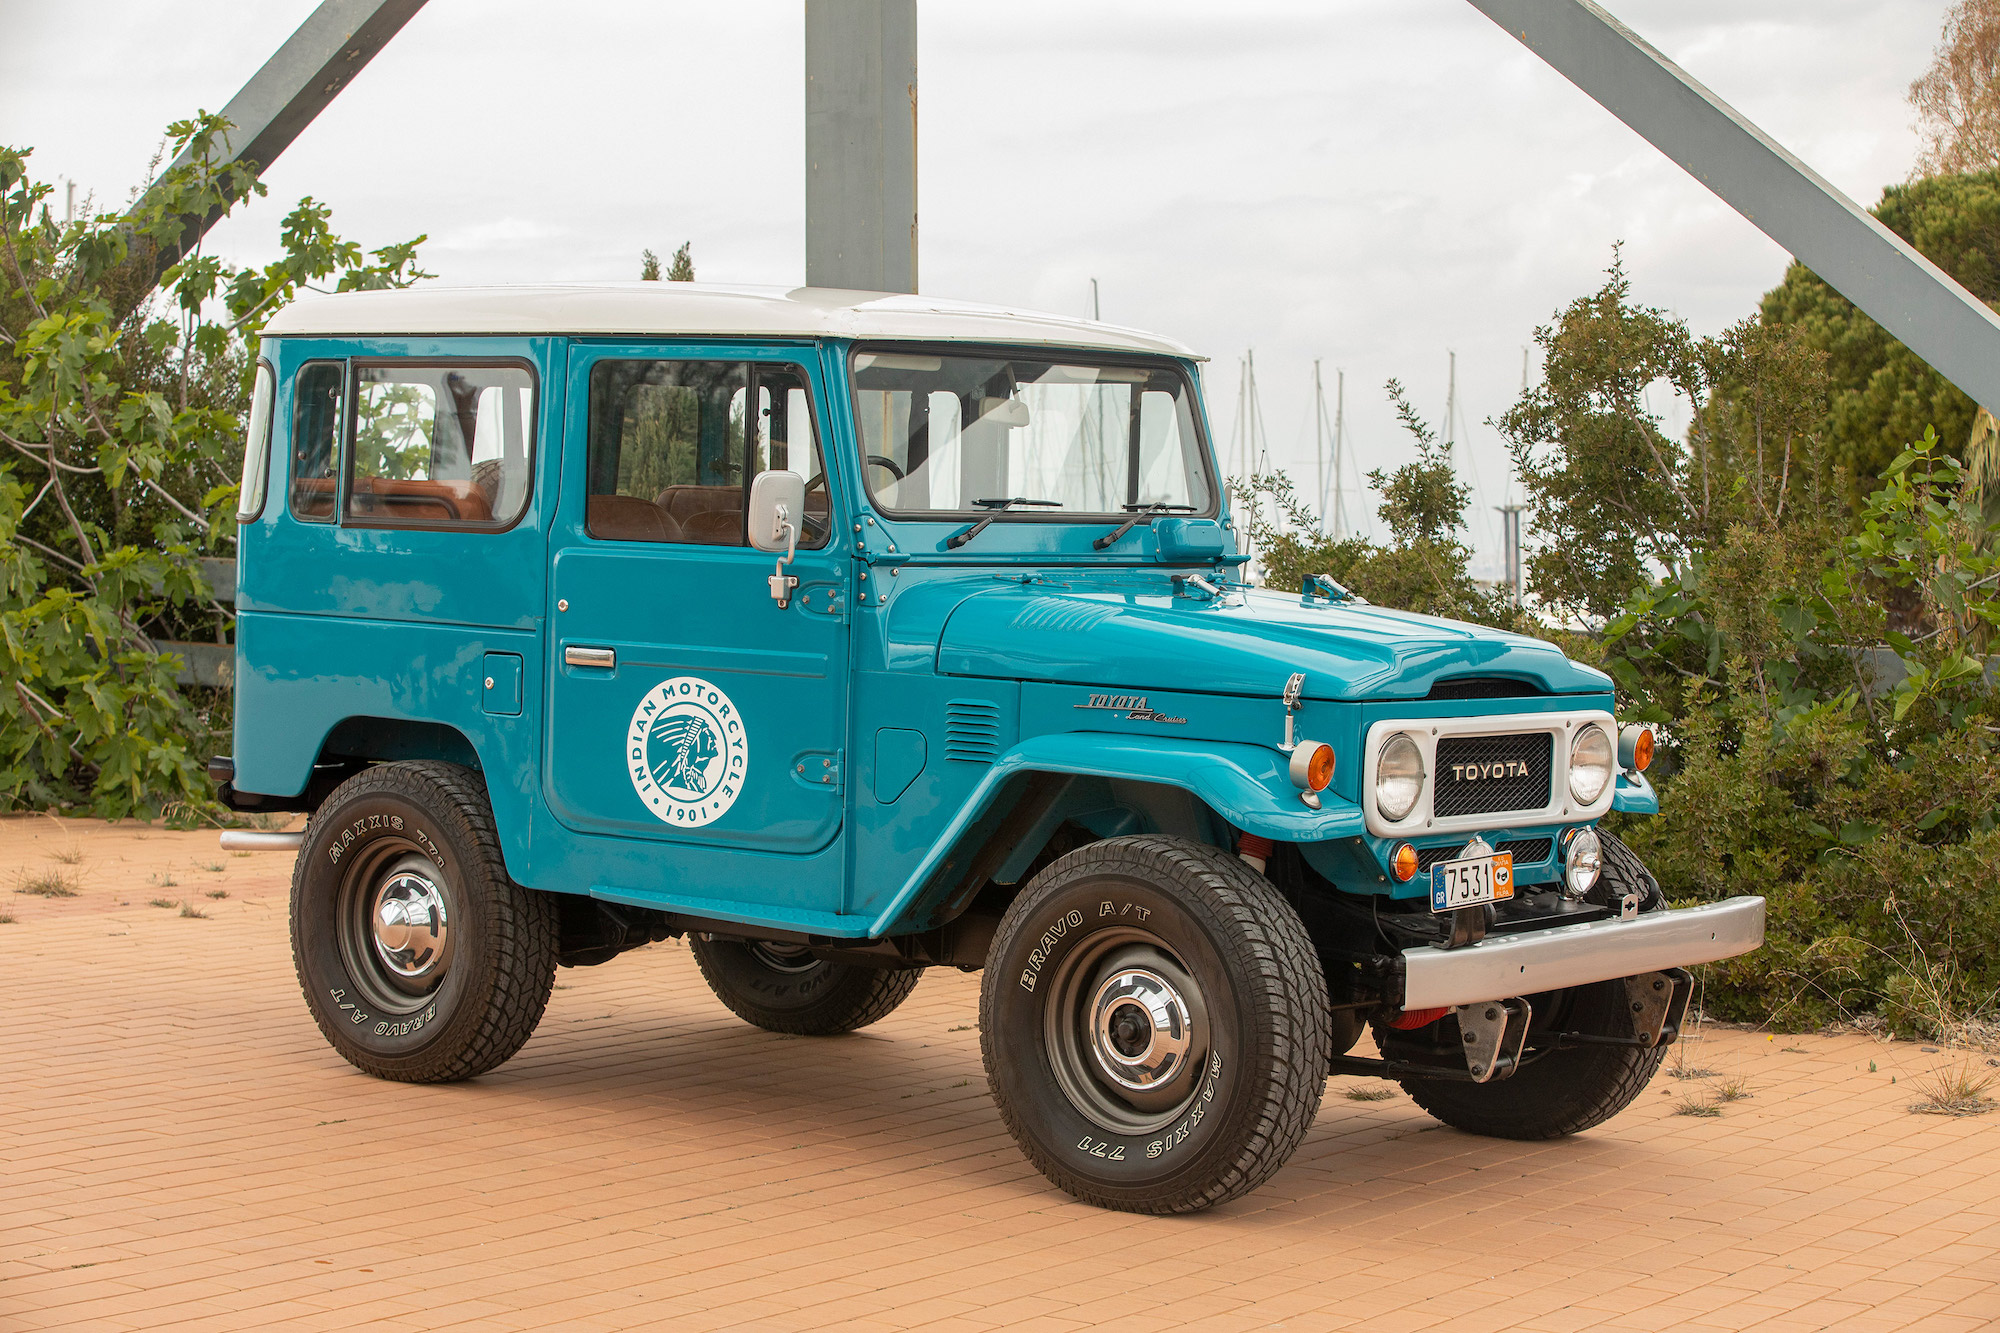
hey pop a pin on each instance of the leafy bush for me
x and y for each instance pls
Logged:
(121, 420)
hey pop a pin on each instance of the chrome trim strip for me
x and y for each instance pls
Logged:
(1503, 966)
(243, 840)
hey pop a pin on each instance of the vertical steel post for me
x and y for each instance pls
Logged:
(861, 144)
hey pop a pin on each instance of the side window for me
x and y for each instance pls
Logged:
(673, 446)
(441, 444)
(315, 438)
(256, 448)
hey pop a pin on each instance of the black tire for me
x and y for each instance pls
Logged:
(1239, 1052)
(781, 988)
(460, 991)
(1562, 1092)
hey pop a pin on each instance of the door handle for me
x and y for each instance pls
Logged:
(590, 657)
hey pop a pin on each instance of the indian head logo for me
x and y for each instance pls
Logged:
(686, 751)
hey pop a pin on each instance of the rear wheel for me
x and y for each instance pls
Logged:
(1154, 1023)
(420, 959)
(783, 988)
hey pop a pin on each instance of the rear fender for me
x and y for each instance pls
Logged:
(1247, 786)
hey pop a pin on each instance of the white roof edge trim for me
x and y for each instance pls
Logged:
(680, 309)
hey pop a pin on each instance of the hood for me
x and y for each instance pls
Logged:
(1138, 634)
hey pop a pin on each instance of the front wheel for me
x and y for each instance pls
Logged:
(1154, 1023)
(783, 988)
(421, 960)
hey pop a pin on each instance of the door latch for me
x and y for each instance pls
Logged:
(576, 656)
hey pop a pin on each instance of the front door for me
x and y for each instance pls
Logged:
(686, 706)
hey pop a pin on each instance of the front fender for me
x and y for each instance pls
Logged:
(1248, 785)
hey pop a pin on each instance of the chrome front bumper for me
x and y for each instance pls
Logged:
(1503, 966)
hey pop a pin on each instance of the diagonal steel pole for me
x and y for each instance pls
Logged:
(1788, 201)
(333, 45)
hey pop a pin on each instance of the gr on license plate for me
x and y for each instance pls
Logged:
(1472, 881)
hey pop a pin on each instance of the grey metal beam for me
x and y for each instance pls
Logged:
(333, 45)
(861, 144)
(1788, 201)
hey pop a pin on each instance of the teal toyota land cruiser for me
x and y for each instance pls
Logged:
(846, 635)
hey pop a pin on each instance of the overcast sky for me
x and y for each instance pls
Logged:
(1370, 183)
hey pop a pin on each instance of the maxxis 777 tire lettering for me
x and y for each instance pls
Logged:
(1154, 1024)
(420, 959)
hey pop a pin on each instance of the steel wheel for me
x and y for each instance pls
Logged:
(1127, 1032)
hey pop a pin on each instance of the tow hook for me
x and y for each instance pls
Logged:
(1494, 1032)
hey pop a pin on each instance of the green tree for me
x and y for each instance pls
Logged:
(649, 266)
(1881, 394)
(682, 268)
(1422, 569)
(123, 435)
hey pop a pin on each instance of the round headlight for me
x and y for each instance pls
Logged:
(1583, 862)
(1589, 764)
(1399, 777)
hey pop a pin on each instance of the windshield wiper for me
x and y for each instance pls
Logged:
(999, 507)
(1140, 513)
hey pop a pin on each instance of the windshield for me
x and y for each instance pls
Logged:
(969, 433)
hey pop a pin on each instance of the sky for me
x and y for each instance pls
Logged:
(1375, 185)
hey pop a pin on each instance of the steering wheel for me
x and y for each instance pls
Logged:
(877, 460)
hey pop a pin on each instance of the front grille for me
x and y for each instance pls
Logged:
(1527, 852)
(1481, 775)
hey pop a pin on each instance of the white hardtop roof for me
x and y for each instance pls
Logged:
(651, 309)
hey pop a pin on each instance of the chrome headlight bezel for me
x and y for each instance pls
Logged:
(1592, 756)
(1407, 776)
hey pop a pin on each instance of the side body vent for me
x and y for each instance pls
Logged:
(972, 730)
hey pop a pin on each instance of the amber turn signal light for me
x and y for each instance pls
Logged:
(1312, 765)
(1635, 748)
(1405, 863)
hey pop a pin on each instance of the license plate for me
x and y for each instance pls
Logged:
(1472, 881)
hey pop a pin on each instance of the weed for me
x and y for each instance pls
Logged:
(189, 909)
(963, 1027)
(1733, 1090)
(1367, 1094)
(1953, 1090)
(242, 853)
(69, 855)
(1696, 1106)
(213, 867)
(1871, 1066)
(6, 919)
(164, 902)
(1686, 1071)
(216, 893)
(1795, 1050)
(47, 884)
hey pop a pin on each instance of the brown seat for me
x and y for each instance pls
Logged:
(711, 515)
(630, 518)
(418, 501)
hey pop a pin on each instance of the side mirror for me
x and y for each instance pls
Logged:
(777, 504)
(777, 507)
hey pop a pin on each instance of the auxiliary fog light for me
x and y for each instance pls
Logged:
(1635, 748)
(1399, 777)
(1589, 764)
(1583, 862)
(1404, 863)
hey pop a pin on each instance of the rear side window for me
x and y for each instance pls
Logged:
(315, 439)
(674, 446)
(256, 448)
(444, 444)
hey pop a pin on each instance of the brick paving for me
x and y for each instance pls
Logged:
(181, 1150)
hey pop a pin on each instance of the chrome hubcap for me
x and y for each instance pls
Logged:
(1140, 1030)
(409, 926)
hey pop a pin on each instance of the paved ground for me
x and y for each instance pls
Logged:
(181, 1150)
